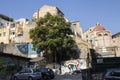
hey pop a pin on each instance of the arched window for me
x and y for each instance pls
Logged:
(86, 36)
(99, 35)
(105, 34)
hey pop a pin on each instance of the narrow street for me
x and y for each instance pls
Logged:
(68, 77)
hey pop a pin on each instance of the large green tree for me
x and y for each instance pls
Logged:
(52, 35)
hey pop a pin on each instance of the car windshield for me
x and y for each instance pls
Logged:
(44, 70)
(115, 74)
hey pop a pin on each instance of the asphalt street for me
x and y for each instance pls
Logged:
(68, 77)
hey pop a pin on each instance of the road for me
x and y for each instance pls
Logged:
(68, 77)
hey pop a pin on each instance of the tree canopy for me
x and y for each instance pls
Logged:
(52, 34)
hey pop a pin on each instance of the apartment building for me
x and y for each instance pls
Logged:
(22, 30)
(4, 28)
(45, 9)
(11, 30)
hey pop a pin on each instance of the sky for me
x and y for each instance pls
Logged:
(87, 12)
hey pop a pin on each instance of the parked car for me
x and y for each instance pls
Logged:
(28, 74)
(112, 74)
(47, 73)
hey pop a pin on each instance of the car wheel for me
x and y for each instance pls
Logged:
(48, 78)
(52, 77)
(15, 78)
(44, 77)
(30, 78)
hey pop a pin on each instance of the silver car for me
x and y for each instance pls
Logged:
(28, 74)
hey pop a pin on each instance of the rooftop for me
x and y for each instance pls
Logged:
(98, 27)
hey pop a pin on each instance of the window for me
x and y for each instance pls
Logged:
(1, 24)
(28, 71)
(22, 71)
(4, 33)
(99, 35)
(12, 25)
(115, 74)
(86, 36)
(78, 35)
(74, 25)
(20, 33)
(113, 41)
(105, 34)
(7, 24)
(12, 32)
(43, 70)
(91, 41)
(0, 34)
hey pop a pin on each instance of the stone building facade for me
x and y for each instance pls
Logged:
(4, 30)
(82, 45)
(23, 37)
(100, 40)
(10, 30)
(116, 43)
(45, 9)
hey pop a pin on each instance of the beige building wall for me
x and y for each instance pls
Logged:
(4, 35)
(88, 34)
(4, 31)
(103, 39)
(12, 33)
(15, 32)
(26, 30)
(77, 29)
(46, 8)
(116, 39)
(23, 32)
(82, 45)
(116, 43)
